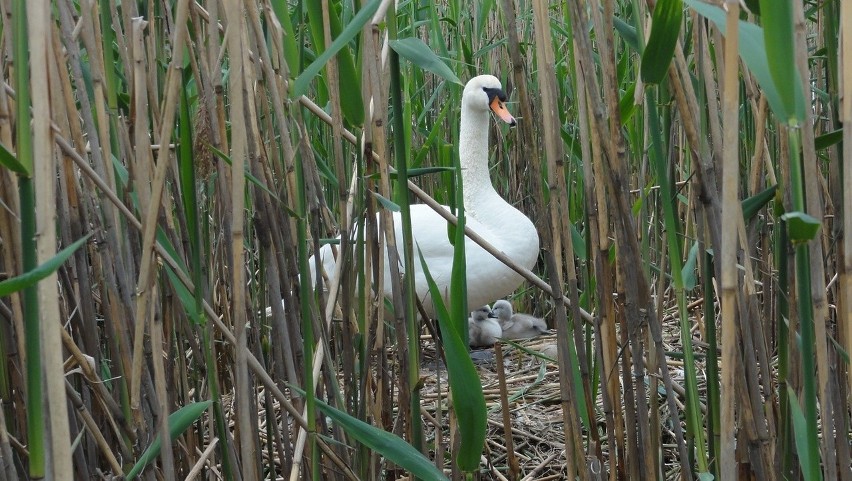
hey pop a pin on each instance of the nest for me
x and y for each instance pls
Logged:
(532, 395)
(536, 413)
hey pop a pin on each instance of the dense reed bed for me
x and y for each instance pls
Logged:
(168, 169)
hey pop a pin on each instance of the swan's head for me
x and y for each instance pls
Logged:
(486, 92)
(502, 310)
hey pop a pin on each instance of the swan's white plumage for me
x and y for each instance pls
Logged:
(487, 213)
(517, 326)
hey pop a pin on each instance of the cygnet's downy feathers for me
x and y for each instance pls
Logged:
(482, 330)
(517, 326)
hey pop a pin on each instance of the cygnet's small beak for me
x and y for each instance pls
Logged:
(492, 315)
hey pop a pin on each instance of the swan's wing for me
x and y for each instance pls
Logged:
(430, 240)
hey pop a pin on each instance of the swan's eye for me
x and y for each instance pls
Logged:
(494, 94)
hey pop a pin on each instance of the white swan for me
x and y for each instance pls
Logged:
(517, 326)
(482, 330)
(488, 214)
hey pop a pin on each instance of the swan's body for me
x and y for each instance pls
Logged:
(482, 330)
(517, 326)
(488, 214)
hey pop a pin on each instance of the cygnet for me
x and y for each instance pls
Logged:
(482, 329)
(517, 326)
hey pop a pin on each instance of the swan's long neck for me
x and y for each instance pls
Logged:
(473, 151)
(505, 227)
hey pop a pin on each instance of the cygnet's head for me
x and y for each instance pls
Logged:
(502, 310)
(486, 92)
(481, 314)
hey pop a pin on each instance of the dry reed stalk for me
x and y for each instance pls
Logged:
(140, 167)
(72, 214)
(92, 426)
(255, 158)
(281, 232)
(605, 336)
(609, 277)
(759, 160)
(12, 262)
(376, 85)
(75, 208)
(44, 173)
(845, 320)
(541, 466)
(637, 292)
(345, 207)
(319, 349)
(202, 460)
(238, 54)
(758, 424)
(6, 119)
(6, 450)
(728, 255)
(145, 279)
(613, 148)
(229, 337)
(705, 166)
(514, 469)
(650, 363)
(91, 33)
(114, 415)
(552, 240)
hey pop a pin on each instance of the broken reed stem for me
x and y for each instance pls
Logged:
(514, 469)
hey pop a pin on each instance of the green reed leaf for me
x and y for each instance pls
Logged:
(665, 28)
(826, 140)
(753, 204)
(386, 203)
(627, 32)
(351, 105)
(389, 445)
(690, 279)
(579, 243)
(8, 160)
(416, 172)
(753, 52)
(17, 283)
(178, 422)
(187, 299)
(300, 85)
(777, 20)
(801, 227)
(465, 386)
(800, 430)
(421, 55)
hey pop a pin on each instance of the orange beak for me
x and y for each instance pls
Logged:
(500, 111)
